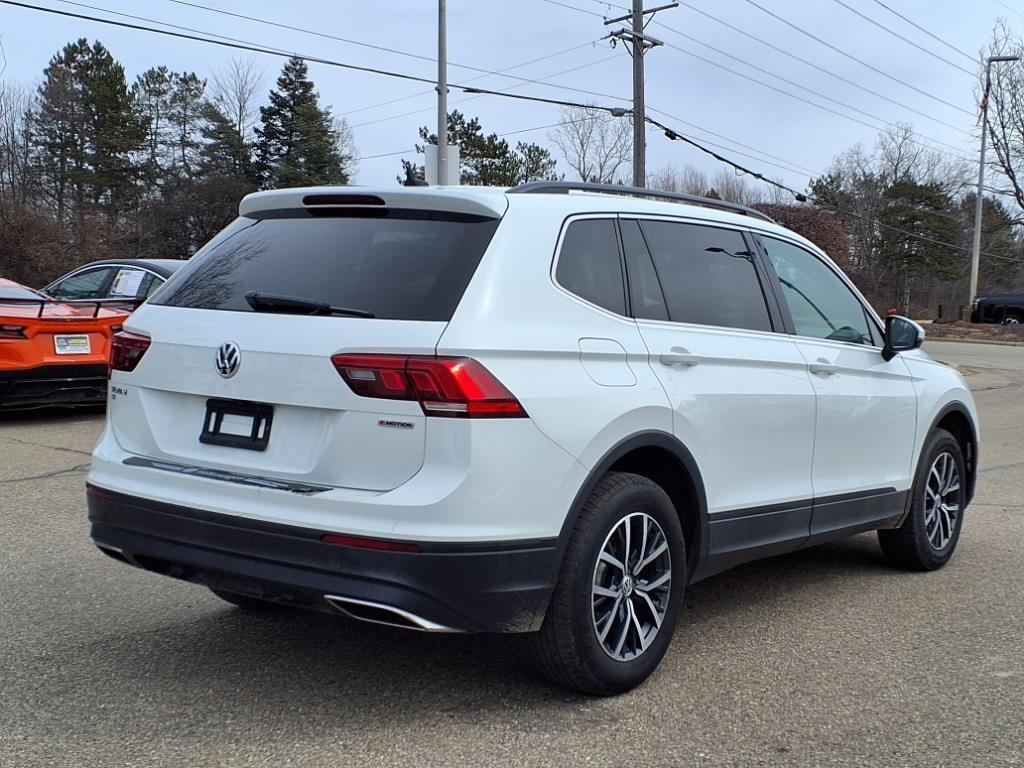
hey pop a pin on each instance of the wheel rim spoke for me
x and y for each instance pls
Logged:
(612, 560)
(631, 586)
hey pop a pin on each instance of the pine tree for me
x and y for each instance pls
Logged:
(225, 152)
(487, 160)
(297, 144)
(114, 133)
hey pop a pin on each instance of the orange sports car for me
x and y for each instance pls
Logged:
(54, 352)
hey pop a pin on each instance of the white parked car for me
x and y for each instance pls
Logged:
(542, 410)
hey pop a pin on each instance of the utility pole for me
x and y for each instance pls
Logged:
(442, 92)
(639, 44)
(978, 200)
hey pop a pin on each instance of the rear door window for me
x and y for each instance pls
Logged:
(589, 265)
(396, 264)
(708, 275)
(87, 284)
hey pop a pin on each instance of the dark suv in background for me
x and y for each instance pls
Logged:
(1003, 308)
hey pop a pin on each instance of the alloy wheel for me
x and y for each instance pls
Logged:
(942, 501)
(631, 586)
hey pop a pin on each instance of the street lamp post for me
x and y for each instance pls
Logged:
(976, 244)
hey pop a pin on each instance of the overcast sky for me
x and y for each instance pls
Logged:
(499, 34)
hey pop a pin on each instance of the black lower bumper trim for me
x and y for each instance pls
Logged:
(487, 588)
(71, 384)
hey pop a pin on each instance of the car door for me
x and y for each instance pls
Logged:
(867, 407)
(89, 283)
(742, 402)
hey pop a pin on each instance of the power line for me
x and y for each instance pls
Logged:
(907, 40)
(1009, 8)
(955, 149)
(860, 61)
(462, 101)
(573, 7)
(935, 37)
(315, 59)
(800, 197)
(486, 72)
(500, 136)
(805, 100)
(362, 44)
(731, 141)
(793, 82)
(804, 61)
(472, 79)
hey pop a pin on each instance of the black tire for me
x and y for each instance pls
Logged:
(566, 649)
(913, 545)
(248, 603)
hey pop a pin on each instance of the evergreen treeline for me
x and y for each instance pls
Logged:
(92, 166)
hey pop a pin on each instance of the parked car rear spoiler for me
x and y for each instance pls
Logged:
(97, 304)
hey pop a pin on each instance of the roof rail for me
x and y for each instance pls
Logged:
(565, 187)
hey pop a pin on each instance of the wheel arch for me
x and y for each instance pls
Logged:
(662, 458)
(954, 417)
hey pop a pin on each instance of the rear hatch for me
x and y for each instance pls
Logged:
(238, 375)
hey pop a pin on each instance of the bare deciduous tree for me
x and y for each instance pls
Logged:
(1006, 113)
(235, 90)
(595, 145)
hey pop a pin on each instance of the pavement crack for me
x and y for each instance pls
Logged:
(51, 447)
(47, 475)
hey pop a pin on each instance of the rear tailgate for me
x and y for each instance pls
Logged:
(320, 433)
(404, 258)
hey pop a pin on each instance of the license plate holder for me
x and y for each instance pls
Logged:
(72, 344)
(237, 424)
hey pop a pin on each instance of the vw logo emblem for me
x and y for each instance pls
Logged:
(228, 358)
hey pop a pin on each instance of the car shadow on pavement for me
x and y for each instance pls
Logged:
(306, 669)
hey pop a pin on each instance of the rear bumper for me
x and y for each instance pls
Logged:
(484, 587)
(44, 385)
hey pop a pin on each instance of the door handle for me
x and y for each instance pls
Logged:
(823, 368)
(679, 356)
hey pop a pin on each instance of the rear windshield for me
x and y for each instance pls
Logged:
(11, 291)
(397, 264)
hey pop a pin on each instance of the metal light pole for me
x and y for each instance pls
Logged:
(976, 244)
(442, 93)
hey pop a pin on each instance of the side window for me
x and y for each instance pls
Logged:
(645, 296)
(128, 282)
(589, 265)
(84, 285)
(708, 275)
(821, 305)
(154, 283)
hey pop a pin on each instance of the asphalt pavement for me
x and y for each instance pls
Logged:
(827, 657)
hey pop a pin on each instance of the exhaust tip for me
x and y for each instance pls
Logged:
(378, 613)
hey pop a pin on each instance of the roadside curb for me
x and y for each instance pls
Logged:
(976, 341)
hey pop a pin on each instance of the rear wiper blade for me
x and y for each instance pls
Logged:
(272, 302)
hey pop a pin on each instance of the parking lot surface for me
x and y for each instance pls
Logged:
(825, 657)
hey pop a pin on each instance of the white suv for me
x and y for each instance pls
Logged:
(532, 410)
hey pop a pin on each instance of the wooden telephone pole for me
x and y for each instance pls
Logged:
(639, 43)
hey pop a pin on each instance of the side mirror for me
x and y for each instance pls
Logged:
(901, 335)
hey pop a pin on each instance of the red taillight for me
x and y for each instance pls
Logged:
(444, 386)
(126, 349)
(381, 545)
